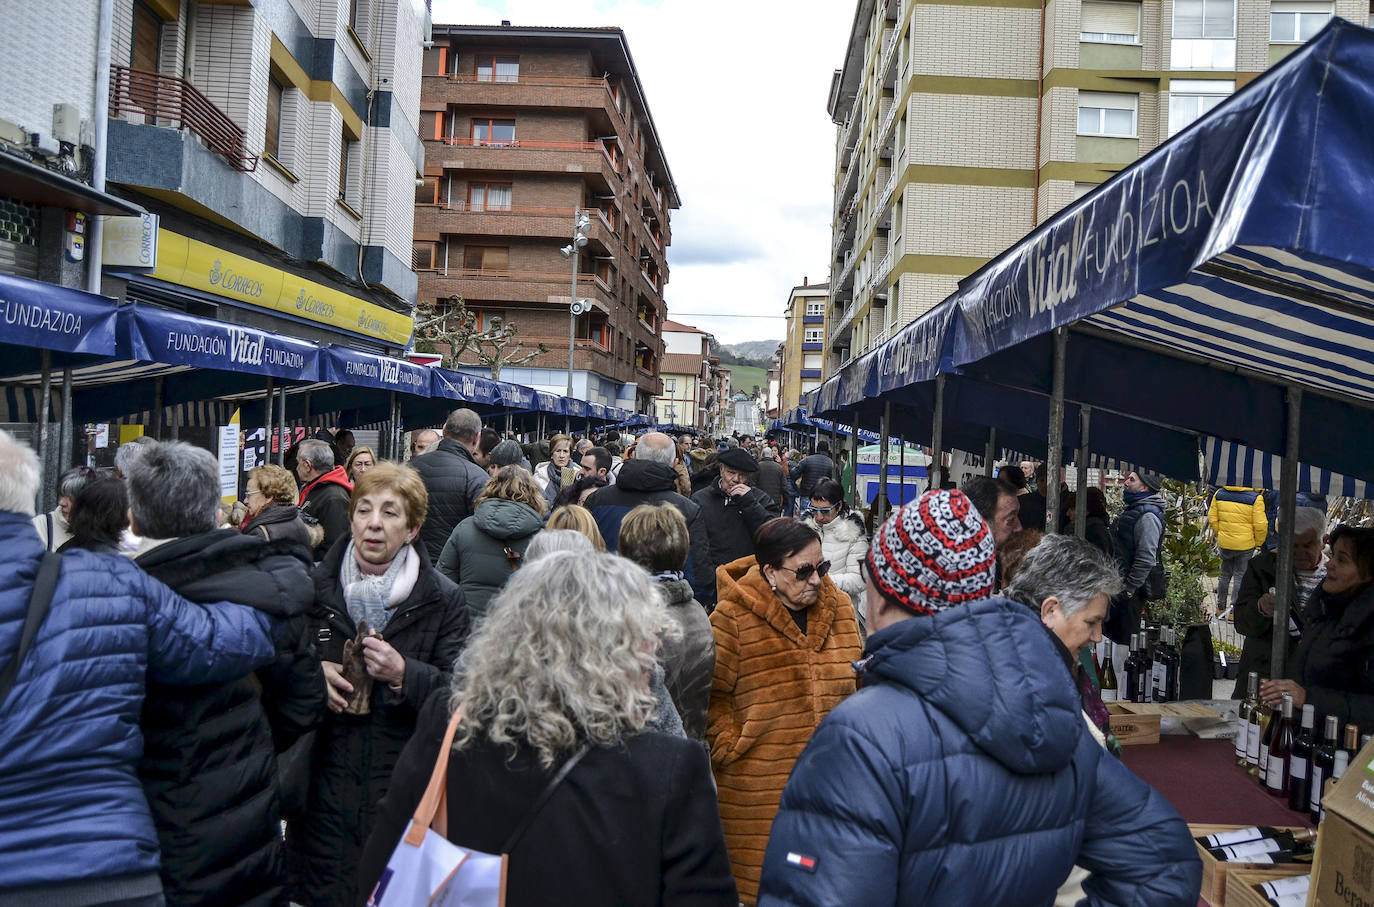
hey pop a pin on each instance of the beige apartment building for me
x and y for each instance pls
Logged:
(803, 360)
(963, 124)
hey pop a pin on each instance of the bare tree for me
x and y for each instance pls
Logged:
(453, 332)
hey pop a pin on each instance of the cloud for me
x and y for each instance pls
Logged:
(737, 91)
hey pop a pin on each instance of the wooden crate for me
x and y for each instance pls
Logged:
(1215, 872)
(1240, 883)
(1132, 726)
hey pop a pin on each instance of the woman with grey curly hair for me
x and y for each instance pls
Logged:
(557, 674)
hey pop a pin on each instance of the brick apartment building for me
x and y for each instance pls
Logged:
(522, 126)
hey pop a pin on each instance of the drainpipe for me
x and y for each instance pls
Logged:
(1039, 116)
(100, 115)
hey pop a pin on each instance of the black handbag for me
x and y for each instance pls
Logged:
(39, 600)
(1156, 583)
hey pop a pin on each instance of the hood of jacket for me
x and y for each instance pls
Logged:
(503, 520)
(846, 529)
(676, 591)
(226, 565)
(275, 512)
(643, 475)
(335, 476)
(990, 668)
(1153, 497)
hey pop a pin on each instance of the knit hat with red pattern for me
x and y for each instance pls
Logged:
(935, 552)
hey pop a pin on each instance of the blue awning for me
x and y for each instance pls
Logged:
(1236, 464)
(342, 365)
(43, 316)
(152, 334)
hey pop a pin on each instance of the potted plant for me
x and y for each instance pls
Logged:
(1226, 661)
(1188, 556)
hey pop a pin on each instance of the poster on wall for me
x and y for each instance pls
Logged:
(228, 460)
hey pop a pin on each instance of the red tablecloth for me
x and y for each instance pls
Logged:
(1201, 779)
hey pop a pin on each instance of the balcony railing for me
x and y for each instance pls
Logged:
(167, 100)
(884, 269)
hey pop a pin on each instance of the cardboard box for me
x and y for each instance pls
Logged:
(1242, 885)
(1343, 871)
(1216, 872)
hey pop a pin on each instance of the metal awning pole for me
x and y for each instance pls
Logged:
(567, 425)
(990, 455)
(1288, 505)
(159, 403)
(854, 464)
(68, 427)
(936, 473)
(901, 472)
(1080, 515)
(46, 492)
(1055, 454)
(267, 404)
(881, 501)
(508, 422)
(281, 427)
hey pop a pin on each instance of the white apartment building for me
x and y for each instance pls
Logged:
(963, 124)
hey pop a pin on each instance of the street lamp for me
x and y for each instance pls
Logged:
(581, 222)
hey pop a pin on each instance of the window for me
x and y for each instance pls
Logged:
(815, 307)
(490, 319)
(493, 68)
(346, 147)
(592, 326)
(1191, 98)
(1082, 189)
(146, 53)
(486, 258)
(271, 143)
(1204, 35)
(1106, 113)
(1110, 22)
(493, 132)
(422, 256)
(436, 61)
(670, 385)
(814, 335)
(811, 360)
(1293, 23)
(427, 192)
(489, 196)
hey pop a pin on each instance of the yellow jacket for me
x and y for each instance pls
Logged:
(1238, 519)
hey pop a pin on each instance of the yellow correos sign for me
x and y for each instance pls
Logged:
(191, 263)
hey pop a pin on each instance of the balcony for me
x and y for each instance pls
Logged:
(526, 90)
(885, 62)
(515, 286)
(530, 221)
(156, 99)
(883, 270)
(525, 155)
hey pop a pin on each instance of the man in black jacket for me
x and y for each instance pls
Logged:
(772, 479)
(452, 478)
(648, 479)
(810, 471)
(733, 509)
(324, 491)
(209, 765)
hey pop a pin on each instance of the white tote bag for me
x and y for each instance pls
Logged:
(428, 870)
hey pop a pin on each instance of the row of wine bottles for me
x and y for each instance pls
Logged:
(1261, 844)
(1152, 674)
(1289, 761)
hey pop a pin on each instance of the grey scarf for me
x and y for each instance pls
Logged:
(366, 595)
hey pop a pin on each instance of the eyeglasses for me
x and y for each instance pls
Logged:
(249, 492)
(830, 509)
(803, 573)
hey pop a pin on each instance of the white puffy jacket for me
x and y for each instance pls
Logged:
(845, 545)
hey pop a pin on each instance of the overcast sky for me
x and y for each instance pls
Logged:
(737, 90)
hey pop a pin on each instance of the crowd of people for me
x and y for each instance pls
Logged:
(737, 688)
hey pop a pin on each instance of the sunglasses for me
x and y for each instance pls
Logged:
(829, 509)
(803, 573)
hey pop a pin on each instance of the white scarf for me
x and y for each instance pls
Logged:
(372, 597)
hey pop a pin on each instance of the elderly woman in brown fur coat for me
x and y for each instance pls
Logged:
(785, 640)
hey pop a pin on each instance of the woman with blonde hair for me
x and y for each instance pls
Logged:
(359, 461)
(270, 496)
(552, 686)
(486, 548)
(579, 518)
(557, 473)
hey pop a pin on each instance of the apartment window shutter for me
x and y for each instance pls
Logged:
(1101, 17)
(1188, 18)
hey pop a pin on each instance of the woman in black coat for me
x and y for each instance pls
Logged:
(380, 575)
(1334, 665)
(556, 671)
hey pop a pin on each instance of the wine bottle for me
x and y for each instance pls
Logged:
(1270, 726)
(1299, 764)
(1109, 687)
(1278, 891)
(1337, 769)
(1147, 670)
(1351, 743)
(1286, 839)
(1257, 728)
(1323, 761)
(1175, 667)
(1245, 716)
(1097, 669)
(1280, 750)
(1159, 668)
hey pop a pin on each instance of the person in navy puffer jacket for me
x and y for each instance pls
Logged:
(74, 825)
(962, 772)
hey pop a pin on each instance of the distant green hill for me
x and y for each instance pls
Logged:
(744, 377)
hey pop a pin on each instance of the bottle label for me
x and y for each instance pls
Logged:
(1273, 778)
(1109, 695)
(1297, 769)
(1252, 849)
(1242, 739)
(1231, 838)
(1252, 744)
(1314, 799)
(1263, 762)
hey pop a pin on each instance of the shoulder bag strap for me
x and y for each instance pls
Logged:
(39, 600)
(429, 812)
(544, 796)
(51, 544)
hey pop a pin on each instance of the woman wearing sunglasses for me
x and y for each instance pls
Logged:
(843, 541)
(785, 637)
